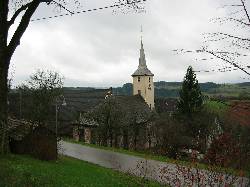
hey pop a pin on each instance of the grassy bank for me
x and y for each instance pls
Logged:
(18, 171)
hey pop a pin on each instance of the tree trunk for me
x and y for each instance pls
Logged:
(4, 66)
(6, 51)
(135, 142)
(149, 141)
(116, 141)
(125, 139)
(111, 139)
(105, 138)
(136, 134)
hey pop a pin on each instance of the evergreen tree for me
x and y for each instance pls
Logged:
(190, 100)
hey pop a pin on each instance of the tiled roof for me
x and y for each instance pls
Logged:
(142, 71)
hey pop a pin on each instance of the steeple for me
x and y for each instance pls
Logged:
(143, 83)
(142, 59)
(142, 68)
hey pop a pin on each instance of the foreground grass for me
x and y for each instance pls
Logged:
(16, 170)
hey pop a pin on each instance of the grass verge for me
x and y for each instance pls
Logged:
(18, 171)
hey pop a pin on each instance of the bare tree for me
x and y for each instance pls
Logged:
(42, 91)
(230, 48)
(10, 12)
(235, 46)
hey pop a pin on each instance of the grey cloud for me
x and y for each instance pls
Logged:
(102, 48)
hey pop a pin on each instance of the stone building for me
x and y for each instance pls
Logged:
(143, 83)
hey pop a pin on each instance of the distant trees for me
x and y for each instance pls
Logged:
(126, 89)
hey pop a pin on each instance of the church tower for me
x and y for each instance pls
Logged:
(143, 83)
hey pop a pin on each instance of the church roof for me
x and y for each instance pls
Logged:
(142, 69)
(142, 72)
(133, 108)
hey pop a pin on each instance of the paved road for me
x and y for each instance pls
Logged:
(163, 172)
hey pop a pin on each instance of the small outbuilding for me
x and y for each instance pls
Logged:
(30, 139)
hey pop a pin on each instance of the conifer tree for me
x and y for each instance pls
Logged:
(190, 100)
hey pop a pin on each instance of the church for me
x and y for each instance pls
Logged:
(136, 109)
(143, 83)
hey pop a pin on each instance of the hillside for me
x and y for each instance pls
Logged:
(171, 89)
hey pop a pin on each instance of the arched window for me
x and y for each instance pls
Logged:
(149, 79)
(149, 86)
(139, 79)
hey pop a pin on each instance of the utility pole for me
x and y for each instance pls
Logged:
(20, 104)
(57, 107)
(56, 117)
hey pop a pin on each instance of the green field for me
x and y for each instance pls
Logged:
(18, 171)
(216, 107)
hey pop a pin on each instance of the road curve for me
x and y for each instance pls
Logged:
(163, 172)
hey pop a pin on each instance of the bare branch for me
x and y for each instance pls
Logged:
(241, 45)
(227, 36)
(16, 14)
(236, 12)
(239, 21)
(246, 12)
(224, 19)
(15, 41)
(63, 7)
(227, 57)
(226, 60)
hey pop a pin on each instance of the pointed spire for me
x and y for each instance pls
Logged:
(141, 39)
(142, 59)
(142, 68)
(141, 34)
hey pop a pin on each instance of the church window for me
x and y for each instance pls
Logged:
(139, 79)
(139, 92)
(149, 79)
(149, 86)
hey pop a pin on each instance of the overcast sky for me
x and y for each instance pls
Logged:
(101, 48)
